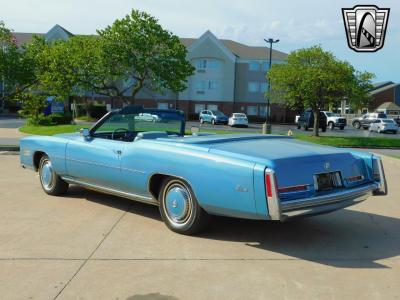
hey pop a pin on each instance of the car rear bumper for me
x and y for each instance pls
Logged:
(326, 203)
(283, 210)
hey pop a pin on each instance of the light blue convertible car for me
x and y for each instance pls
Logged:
(191, 177)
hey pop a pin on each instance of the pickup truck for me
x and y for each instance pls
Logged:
(367, 119)
(334, 120)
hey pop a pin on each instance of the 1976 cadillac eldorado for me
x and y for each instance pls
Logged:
(262, 177)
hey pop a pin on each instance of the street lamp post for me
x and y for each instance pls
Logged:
(267, 127)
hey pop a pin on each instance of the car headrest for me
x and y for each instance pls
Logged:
(150, 135)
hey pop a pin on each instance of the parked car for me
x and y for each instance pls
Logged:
(383, 125)
(306, 120)
(213, 117)
(367, 119)
(334, 120)
(251, 176)
(238, 119)
(147, 117)
(397, 120)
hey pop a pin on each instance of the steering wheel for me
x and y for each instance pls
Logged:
(118, 130)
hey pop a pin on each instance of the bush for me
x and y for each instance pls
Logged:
(50, 120)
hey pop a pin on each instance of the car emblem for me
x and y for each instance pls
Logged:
(327, 166)
(365, 27)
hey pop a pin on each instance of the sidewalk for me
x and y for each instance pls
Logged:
(10, 136)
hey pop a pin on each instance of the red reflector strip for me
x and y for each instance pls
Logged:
(291, 189)
(268, 185)
(355, 178)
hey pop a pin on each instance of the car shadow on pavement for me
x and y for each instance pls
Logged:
(345, 238)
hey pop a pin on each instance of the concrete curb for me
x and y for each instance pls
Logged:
(9, 148)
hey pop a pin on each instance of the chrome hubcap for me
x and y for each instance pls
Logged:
(178, 204)
(47, 175)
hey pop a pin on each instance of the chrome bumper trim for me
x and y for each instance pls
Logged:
(326, 203)
(321, 204)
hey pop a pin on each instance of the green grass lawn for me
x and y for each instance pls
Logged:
(51, 130)
(363, 142)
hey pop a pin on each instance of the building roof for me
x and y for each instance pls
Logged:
(384, 88)
(239, 50)
(388, 106)
(244, 51)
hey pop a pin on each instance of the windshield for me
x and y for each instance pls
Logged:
(239, 115)
(387, 121)
(126, 126)
(217, 113)
(329, 114)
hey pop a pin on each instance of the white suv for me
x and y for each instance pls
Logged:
(334, 120)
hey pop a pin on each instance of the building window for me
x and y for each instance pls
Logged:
(263, 110)
(213, 64)
(162, 105)
(199, 107)
(252, 110)
(254, 87)
(213, 85)
(201, 64)
(201, 85)
(265, 66)
(212, 107)
(254, 66)
(263, 87)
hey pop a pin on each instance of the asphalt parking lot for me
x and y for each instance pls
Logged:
(88, 245)
(284, 128)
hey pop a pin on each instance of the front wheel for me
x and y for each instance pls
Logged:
(341, 127)
(201, 121)
(179, 208)
(357, 125)
(323, 129)
(213, 121)
(331, 126)
(51, 182)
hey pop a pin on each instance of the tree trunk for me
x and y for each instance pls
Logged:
(316, 122)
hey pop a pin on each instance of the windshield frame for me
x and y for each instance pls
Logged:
(180, 114)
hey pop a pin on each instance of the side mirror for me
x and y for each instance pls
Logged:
(84, 132)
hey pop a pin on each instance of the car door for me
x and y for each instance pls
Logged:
(94, 161)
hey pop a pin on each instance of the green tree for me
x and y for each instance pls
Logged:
(314, 78)
(16, 73)
(144, 55)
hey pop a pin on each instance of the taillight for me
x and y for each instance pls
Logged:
(268, 185)
(376, 170)
(271, 185)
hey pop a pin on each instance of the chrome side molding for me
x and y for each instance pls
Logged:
(97, 188)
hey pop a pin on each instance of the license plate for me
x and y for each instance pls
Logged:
(327, 181)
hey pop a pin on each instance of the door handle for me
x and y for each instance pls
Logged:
(118, 152)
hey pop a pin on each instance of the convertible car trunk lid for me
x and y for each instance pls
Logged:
(296, 163)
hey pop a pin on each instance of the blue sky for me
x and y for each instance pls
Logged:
(296, 23)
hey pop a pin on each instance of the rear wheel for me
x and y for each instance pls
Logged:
(331, 126)
(357, 125)
(51, 182)
(213, 121)
(201, 121)
(341, 127)
(323, 129)
(305, 127)
(179, 208)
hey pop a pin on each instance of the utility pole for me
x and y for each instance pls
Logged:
(266, 126)
(3, 86)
